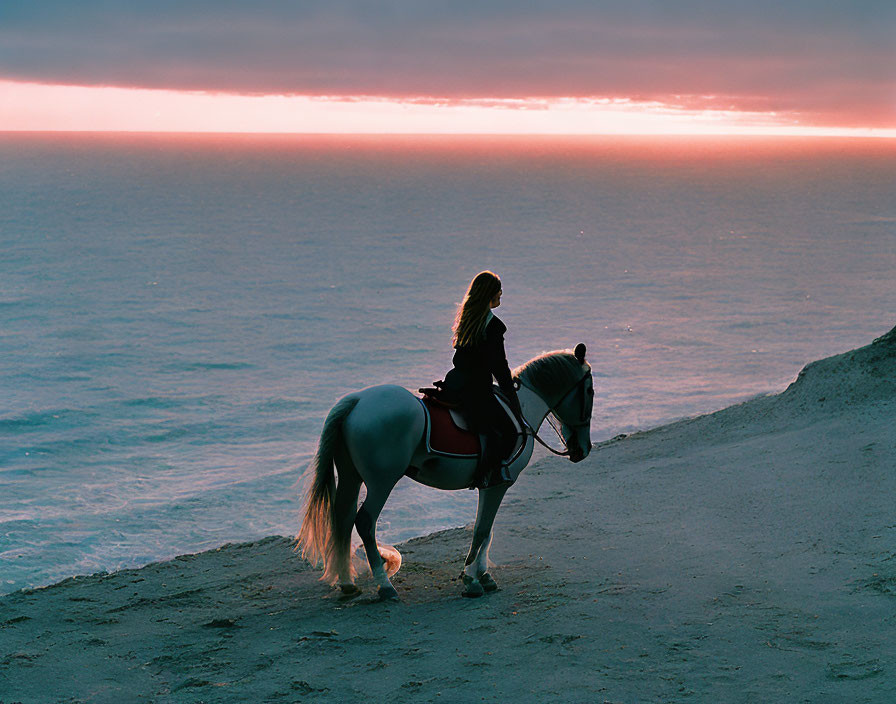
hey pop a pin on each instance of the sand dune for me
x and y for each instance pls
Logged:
(744, 556)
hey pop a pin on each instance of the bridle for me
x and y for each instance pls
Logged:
(583, 421)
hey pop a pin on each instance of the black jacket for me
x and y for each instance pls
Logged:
(475, 365)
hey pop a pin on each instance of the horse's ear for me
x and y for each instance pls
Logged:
(579, 352)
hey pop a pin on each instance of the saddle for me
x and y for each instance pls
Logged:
(448, 432)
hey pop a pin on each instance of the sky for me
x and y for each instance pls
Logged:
(558, 66)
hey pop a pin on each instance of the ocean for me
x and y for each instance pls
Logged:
(179, 312)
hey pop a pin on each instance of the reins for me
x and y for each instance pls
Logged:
(565, 453)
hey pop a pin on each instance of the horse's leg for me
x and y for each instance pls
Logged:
(382, 434)
(481, 566)
(477, 559)
(365, 522)
(345, 509)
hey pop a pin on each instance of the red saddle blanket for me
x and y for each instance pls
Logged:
(443, 435)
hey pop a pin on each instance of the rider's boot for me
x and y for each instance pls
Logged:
(491, 471)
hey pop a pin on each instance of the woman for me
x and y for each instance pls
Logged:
(479, 355)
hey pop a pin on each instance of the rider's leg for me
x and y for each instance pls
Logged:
(502, 438)
(489, 470)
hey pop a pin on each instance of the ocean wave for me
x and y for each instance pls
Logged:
(284, 405)
(39, 420)
(293, 347)
(206, 366)
(161, 402)
(71, 448)
(17, 303)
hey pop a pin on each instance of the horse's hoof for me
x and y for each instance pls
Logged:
(472, 587)
(349, 591)
(387, 594)
(488, 584)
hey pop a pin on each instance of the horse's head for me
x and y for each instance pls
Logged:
(564, 381)
(574, 410)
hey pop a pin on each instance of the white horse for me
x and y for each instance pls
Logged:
(377, 435)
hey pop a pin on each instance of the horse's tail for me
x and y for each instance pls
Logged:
(316, 536)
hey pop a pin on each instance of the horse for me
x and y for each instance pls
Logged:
(377, 435)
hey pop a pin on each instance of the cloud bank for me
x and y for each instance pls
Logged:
(826, 63)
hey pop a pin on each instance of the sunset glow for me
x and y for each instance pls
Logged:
(41, 107)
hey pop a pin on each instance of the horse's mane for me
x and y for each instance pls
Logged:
(551, 373)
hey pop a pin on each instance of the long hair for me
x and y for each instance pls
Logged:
(472, 313)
